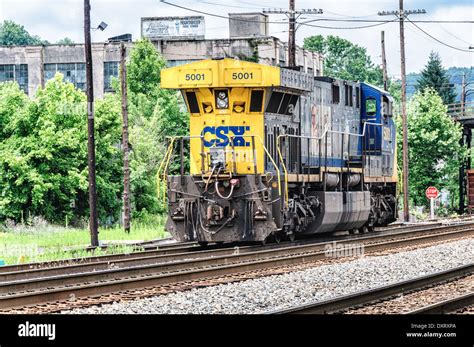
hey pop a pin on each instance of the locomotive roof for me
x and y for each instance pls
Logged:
(381, 91)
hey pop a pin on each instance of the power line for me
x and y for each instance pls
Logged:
(223, 5)
(378, 22)
(437, 40)
(451, 34)
(346, 28)
(216, 15)
(382, 21)
(274, 22)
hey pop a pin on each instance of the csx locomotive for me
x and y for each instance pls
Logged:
(276, 153)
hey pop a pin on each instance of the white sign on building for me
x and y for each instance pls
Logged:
(173, 28)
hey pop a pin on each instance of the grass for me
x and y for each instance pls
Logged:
(25, 244)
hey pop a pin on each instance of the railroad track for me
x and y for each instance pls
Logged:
(184, 247)
(17, 293)
(167, 256)
(362, 302)
(447, 306)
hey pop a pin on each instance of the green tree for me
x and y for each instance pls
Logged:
(13, 34)
(65, 41)
(434, 150)
(43, 154)
(155, 113)
(144, 68)
(434, 76)
(344, 59)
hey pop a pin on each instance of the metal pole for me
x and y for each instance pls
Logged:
(126, 163)
(384, 62)
(93, 221)
(406, 211)
(291, 36)
(463, 94)
(462, 166)
(432, 208)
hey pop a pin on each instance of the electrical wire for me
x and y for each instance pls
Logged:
(321, 19)
(450, 33)
(437, 40)
(345, 28)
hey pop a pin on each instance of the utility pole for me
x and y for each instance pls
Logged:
(401, 16)
(126, 167)
(463, 94)
(93, 221)
(384, 61)
(291, 36)
(292, 15)
(462, 167)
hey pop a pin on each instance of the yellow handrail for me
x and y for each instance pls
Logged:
(284, 169)
(163, 165)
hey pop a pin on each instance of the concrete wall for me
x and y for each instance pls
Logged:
(248, 25)
(271, 51)
(37, 56)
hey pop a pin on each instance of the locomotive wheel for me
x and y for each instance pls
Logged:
(202, 243)
(264, 242)
(353, 231)
(364, 229)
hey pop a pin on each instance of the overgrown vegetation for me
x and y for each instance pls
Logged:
(344, 59)
(13, 34)
(434, 150)
(434, 76)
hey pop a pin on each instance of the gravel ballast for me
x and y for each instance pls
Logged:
(286, 290)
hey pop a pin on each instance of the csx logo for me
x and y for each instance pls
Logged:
(223, 133)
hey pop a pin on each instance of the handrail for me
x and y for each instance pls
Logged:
(269, 156)
(164, 164)
(326, 131)
(167, 158)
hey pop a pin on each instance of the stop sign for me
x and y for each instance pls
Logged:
(432, 192)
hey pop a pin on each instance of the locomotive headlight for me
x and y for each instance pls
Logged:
(222, 99)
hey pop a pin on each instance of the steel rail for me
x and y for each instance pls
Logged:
(90, 264)
(346, 302)
(188, 247)
(446, 306)
(106, 282)
(179, 261)
(167, 249)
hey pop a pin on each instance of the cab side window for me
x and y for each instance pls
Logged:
(370, 106)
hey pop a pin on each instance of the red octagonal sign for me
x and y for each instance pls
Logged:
(432, 192)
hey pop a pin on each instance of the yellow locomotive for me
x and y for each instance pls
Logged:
(275, 152)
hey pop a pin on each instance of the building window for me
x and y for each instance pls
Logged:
(111, 69)
(18, 73)
(74, 73)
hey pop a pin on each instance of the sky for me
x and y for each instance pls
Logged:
(55, 19)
